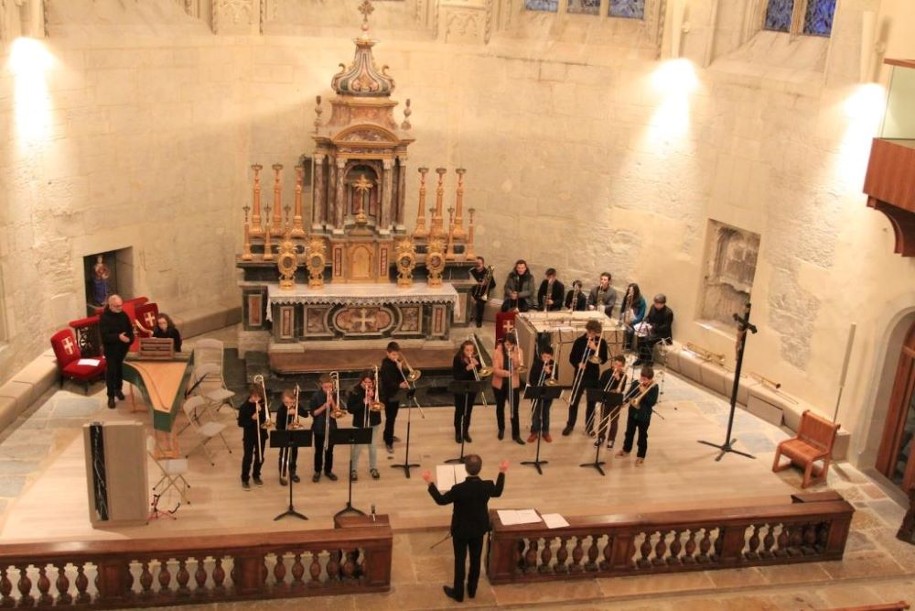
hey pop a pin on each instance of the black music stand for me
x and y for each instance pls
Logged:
(539, 394)
(350, 437)
(606, 400)
(290, 438)
(466, 388)
(743, 325)
(406, 465)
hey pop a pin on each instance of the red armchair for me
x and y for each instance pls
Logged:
(68, 354)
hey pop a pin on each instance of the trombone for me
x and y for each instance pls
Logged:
(410, 379)
(259, 379)
(376, 405)
(484, 371)
(335, 409)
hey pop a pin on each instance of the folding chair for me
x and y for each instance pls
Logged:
(194, 409)
(209, 351)
(173, 470)
(212, 386)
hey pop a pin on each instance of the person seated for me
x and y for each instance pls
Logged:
(549, 297)
(632, 311)
(165, 329)
(576, 299)
(658, 324)
(602, 297)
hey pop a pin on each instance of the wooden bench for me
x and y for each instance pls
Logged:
(814, 441)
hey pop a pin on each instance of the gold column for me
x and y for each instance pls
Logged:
(276, 227)
(437, 230)
(449, 253)
(468, 249)
(297, 230)
(256, 228)
(268, 247)
(246, 249)
(459, 203)
(420, 232)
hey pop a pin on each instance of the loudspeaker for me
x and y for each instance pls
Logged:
(116, 478)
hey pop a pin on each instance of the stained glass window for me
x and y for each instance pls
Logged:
(590, 7)
(818, 20)
(778, 15)
(630, 9)
(542, 5)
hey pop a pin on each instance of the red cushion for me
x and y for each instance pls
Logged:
(84, 372)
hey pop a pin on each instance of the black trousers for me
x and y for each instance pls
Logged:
(609, 417)
(479, 306)
(390, 417)
(586, 383)
(462, 545)
(114, 370)
(501, 397)
(324, 459)
(287, 461)
(521, 303)
(463, 409)
(249, 445)
(633, 425)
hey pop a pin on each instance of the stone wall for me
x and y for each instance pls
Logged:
(584, 152)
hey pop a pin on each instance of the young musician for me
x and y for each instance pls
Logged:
(519, 288)
(603, 296)
(480, 293)
(642, 397)
(251, 415)
(506, 362)
(588, 353)
(615, 380)
(166, 329)
(359, 404)
(576, 299)
(287, 416)
(549, 296)
(321, 406)
(391, 379)
(465, 367)
(543, 369)
(632, 312)
(660, 319)
(469, 521)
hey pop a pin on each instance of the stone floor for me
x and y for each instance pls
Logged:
(877, 568)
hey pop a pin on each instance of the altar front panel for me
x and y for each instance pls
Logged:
(360, 311)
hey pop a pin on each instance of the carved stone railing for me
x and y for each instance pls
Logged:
(812, 528)
(197, 569)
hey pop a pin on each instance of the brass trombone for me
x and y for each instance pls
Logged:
(336, 410)
(485, 370)
(268, 422)
(376, 405)
(410, 379)
(704, 354)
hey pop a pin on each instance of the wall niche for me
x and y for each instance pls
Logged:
(730, 266)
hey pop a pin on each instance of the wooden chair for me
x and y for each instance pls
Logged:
(813, 442)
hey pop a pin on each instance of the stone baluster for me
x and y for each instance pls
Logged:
(219, 575)
(24, 585)
(753, 542)
(546, 556)
(690, 547)
(44, 588)
(165, 576)
(768, 541)
(298, 570)
(578, 553)
(593, 553)
(183, 577)
(660, 550)
(530, 556)
(82, 586)
(705, 544)
(63, 586)
(200, 575)
(421, 232)
(562, 555)
(315, 569)
(279, 569)
(645, 551)
(676, 546)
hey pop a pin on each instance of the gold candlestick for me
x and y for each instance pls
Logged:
(276, 227)
(459, 203)
(268, 247)
(362, 186)
(437, 230)
(256, 228)
(297, 230)
(246, 249)
(421, 231)
(468, 249)
(449, 253)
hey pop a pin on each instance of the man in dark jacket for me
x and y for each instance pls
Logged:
(469, 520)
(117, 335)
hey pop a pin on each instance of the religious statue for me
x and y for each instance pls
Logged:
(100, 276)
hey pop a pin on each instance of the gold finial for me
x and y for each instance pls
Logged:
(366, 9)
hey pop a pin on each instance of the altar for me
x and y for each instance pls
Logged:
(360, 311)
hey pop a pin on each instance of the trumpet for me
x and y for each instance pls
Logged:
(704, 354)
(376, 405)
(336, 410)
(268, 422)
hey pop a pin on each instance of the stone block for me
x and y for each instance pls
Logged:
(763, 409)
(15, 397)
(716, 378)
(9, 411)
(690, 366)
(205, 319)
(40, 373)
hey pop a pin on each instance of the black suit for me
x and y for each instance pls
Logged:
(469, 522)
(111, 325)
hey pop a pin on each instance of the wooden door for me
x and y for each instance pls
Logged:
(896, 458)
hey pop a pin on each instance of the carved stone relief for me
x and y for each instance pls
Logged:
(730, 265)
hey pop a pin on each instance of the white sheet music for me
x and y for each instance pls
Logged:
(89, 362)
(447, 476)
(554, 520)
(510, 517)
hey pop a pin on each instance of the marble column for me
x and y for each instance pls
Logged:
(340, 194)
(387, 192)
(319, 209)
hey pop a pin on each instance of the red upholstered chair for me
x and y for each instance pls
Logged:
(505, 323)
(68, 354)
(146, 315)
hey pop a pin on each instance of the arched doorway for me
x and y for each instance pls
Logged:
(896, 457)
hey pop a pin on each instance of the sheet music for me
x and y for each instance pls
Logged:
(89, 362)
(511, 517)
(554, 520)
(446, 476)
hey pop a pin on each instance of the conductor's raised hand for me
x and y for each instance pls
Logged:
(427, 477)
(503, 466)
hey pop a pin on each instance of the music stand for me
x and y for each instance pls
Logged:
(607, 400)
(538, 394)
(466, 388)
(290, 438)
(407, 465)
(350, 437)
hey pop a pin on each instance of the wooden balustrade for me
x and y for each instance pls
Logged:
(198, 569)
(813, 527)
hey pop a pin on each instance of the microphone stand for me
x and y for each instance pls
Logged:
(743, 325)
(407, 465)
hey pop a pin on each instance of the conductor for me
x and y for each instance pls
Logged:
(469, 520)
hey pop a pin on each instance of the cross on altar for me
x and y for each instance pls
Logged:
(68, 345)
(150, 319)
(363, 320)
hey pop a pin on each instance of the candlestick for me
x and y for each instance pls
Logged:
(468, 249)
(276, 227)
(421, 231)
(297, 230)
(459, 203)
(256, 228)
(246, 248)
(437, 230)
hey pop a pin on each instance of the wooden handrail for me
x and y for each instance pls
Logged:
(811, 527)
(152, 572)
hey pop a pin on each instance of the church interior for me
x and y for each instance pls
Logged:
(307, 180)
